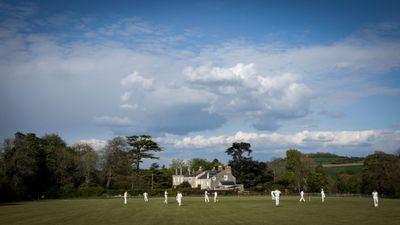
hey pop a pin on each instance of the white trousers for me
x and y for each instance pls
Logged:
(376, 202)
(277, 201)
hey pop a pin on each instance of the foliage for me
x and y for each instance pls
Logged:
(178, 164)
(298, 166)
(117, 167)
(382, 173)
(196, 163)
(32, 167)
(141, 148)
(314, 181)
(247, 171)
(238, 149)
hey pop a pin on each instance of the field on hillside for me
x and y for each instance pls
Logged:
(351, 168)
(230, 210)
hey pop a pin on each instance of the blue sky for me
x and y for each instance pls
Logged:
(199, 75)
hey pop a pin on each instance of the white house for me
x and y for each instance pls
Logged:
(209, 179)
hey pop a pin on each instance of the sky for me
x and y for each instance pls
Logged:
(318, 76)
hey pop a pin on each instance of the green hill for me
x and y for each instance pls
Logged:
(329, 158)
(334, 164)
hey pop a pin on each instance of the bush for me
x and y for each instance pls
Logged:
(91, 191)
(68, 191)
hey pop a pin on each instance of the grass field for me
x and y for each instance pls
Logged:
(341, 169)
(229, 211)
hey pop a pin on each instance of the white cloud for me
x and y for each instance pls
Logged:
(128, 106)
(351, 141)
(135, 80)
(96, 144)
(263, 85)
(125, 97)
(112, 120)
(261, 99)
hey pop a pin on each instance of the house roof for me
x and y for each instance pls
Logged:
(192, 174)
(210, 172)
(227, 183)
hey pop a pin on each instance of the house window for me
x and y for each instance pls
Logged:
(225, 177)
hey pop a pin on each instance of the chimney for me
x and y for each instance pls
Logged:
(219, 168)
(208, 175)
(200, 169)
(176, 171)
(180, 171)
(189, 170)
(213, 168)
(228, 169)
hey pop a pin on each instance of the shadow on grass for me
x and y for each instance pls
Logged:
(10, 203)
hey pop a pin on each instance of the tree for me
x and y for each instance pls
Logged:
(314, 181)
(348, 183)
(87, 162)
(297, 167)
(25, 166)
(117, 165)
(238, 149)
(196, 163)
(141, 148)
(178, 164)
(246, 170)
(381, 172)
(277, 165)
(216, 163)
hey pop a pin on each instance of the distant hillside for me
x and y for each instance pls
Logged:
(329, 158)
(334, 164)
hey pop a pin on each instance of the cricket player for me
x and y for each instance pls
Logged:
(277, 194)
(145, 196)
(165, 197)
(322, 195)
(302, 196)
(206, 199)
(126, 197)
(272, 195)
(179, 198)
(215, 197)
(375, 198)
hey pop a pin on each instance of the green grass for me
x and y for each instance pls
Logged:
(230, 210)
(341, 169)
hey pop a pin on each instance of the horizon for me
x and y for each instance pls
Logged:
(198, 76)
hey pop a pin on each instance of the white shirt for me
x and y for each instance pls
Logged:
(277, 193)
(375, 194)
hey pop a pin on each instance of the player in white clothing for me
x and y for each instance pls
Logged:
(126, 197)
(302, 196)
(206, 199)
(145, 196)
(215, 197)
(277, 194)
(375, 198)
(179, 198)
(322, 195)
(165, 197)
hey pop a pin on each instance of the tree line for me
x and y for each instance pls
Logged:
(33, 167)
